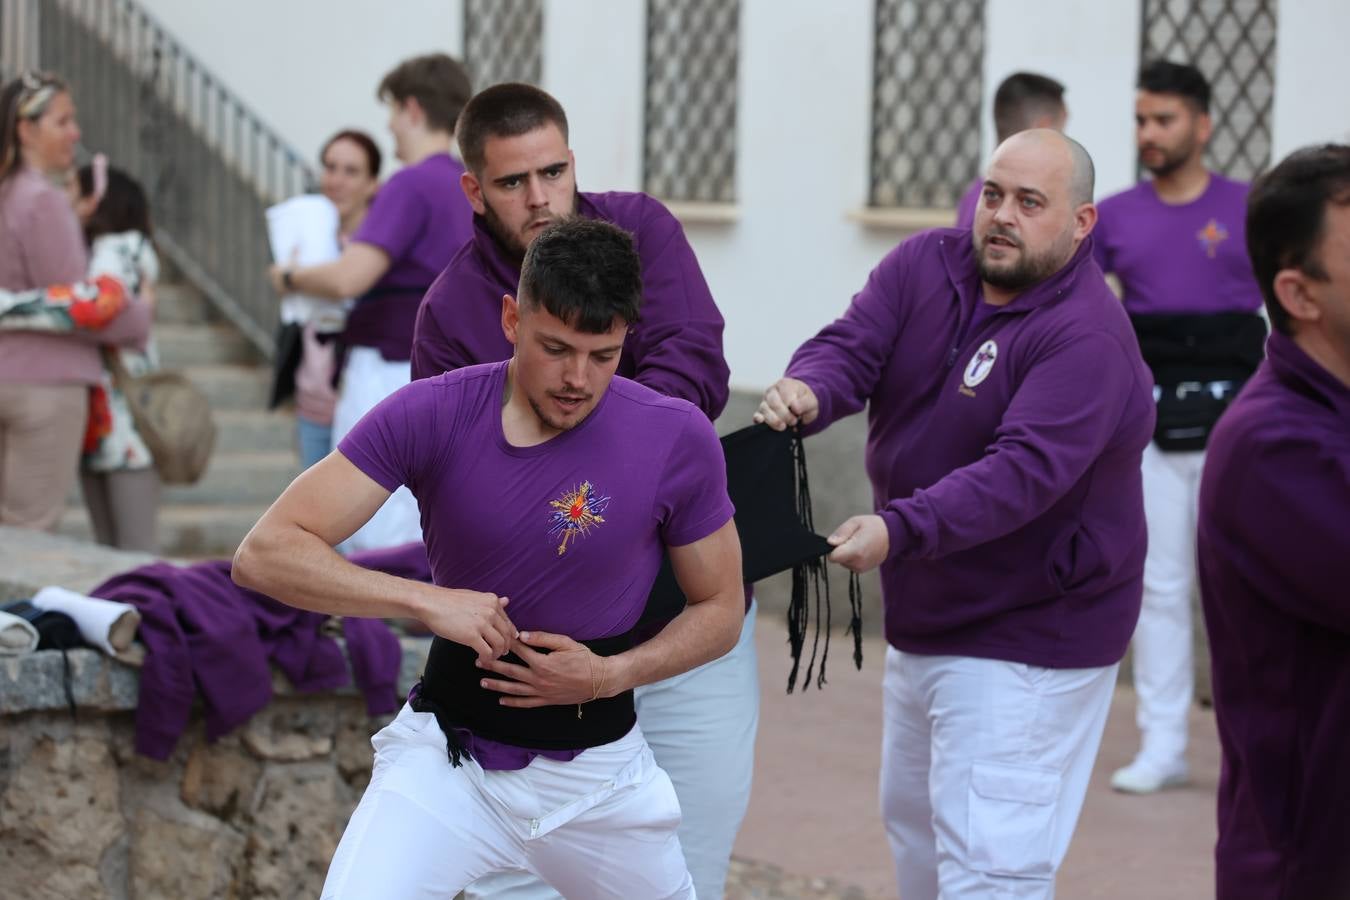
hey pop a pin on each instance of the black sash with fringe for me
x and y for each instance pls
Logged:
(450, 689)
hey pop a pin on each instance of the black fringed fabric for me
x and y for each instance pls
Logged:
(811, 584)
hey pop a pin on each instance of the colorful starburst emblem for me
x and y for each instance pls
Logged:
(1211, 236)
(576, 513)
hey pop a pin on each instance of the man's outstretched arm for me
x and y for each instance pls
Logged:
(289, 555)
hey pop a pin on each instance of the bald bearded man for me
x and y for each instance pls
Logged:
(1008, 412)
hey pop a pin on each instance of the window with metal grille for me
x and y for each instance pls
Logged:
(689, 146)
(927, 84)
(503, 41)
(1233, 43)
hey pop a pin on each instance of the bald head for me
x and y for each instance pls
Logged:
(1054, 154)
(1035, 211)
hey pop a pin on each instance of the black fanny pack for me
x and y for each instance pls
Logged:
(450, 689)
(1199, 364)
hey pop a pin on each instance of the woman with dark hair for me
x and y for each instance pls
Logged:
(44, 377)
(350, 177)
(117, 475)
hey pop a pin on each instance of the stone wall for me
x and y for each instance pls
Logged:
(254, 815)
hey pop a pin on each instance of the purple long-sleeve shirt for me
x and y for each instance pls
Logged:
(1004, 456)
(676, 348)
(1274, 559)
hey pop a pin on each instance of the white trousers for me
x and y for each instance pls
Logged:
(701, 727)
(367, 378)
(984, 766)
(599, 826)
(1164, 667)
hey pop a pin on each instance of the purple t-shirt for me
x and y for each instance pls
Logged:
(1004, 457)
(1274, 562)
(970, 202)
(1186, 258)
(419, 217)
(571, 530)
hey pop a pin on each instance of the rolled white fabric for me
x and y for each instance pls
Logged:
(17, 636)
(104, 624)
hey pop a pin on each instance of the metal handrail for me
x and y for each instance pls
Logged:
(209, 164)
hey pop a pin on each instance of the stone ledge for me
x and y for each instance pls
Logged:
(99, 683)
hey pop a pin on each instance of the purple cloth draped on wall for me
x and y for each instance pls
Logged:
(205, 636)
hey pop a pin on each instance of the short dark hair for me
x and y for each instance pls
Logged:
(585, 272)
(504, 110)
(1163, 77)
(122, 207)
(1286, 218)
(367, 144)
(1021, 99)
(439, 84)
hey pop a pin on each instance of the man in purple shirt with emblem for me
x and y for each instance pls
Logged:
(1008, 410)
(1023, 100)
(417, 221)
(549, 490)
(521, 177)
(1175, 243)
(1274, 551)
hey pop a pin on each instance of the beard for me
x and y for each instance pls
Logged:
(1029, 268)
(511, 241)
(558, 424)
(1173, 158)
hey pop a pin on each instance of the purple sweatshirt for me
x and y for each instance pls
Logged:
(1274, 557)
(1003, 457)
(676, 348)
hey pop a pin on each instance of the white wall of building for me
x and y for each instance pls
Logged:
(310, 67)
(1092, 49)
(1312, 99)
(792, 257)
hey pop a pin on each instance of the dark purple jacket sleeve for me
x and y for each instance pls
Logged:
(843, 363)
(1066, 409)
(459, 322)
(677, 347)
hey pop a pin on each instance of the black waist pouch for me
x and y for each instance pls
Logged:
(450, 690)
(1188, 412)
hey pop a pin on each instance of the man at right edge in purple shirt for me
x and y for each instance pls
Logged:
(1008, 409)
(1274, 550)
(1175, 242)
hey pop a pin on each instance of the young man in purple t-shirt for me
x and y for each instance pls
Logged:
(1008, 410)
(417, 221)
(1023, 100)
(521, 177)
(1175, 242)
(549, 489)
(1274, 551)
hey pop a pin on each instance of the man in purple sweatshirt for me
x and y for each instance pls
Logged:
(521, 177)
(1274, 551)
(1175, 242)
(1008, 410)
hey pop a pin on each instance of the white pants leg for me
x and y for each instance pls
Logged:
(599, 826)
(367, 378)
(1164, 674)
(1010, 749)
(701, 727)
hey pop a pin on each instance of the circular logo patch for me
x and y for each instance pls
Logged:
(981, 364)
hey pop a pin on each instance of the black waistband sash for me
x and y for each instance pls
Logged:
(450, 690)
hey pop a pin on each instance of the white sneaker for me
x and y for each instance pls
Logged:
(1141, 778)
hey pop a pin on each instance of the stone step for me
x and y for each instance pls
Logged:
(202, 344)
(238, 479)
(179, 303)
(254, 431)
(232, 387)
(188, 531)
